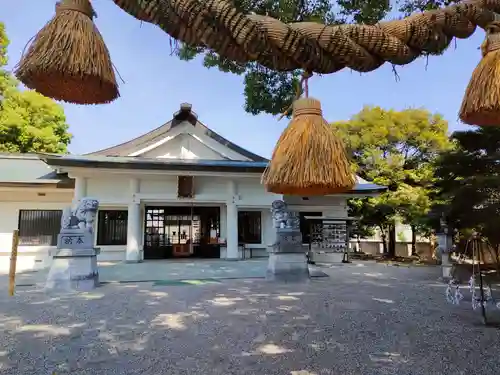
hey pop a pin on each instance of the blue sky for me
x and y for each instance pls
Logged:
(157, 82)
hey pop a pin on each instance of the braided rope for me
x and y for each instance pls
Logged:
(314, 47)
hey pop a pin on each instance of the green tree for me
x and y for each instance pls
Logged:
(395, 149)
(371, 214)
(468, 183)
(29, 121)
(272, 92)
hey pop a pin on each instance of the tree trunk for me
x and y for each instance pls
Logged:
(384, 240)
(496, 250)
(433, 240)
(413, 241)
(392, 241)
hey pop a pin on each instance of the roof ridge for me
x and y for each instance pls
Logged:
(185, 113)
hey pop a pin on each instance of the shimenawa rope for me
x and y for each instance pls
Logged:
(314, 47)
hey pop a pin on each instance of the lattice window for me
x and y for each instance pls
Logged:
(39, 227)
(249, 227)
(112, 227)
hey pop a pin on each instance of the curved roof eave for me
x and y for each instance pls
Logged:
(185, 113)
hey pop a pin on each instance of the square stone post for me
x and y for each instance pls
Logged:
(287, 257)
(74, 267)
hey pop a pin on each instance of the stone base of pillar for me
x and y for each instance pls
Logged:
(288, 267)
(335, 258)
(446, 267)
(73, 270)
(133, 257)
(230, 255)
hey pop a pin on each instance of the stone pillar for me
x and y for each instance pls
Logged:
(74, 267)
(132, 254)
(444, 243)
(287, 257)
(80, 189)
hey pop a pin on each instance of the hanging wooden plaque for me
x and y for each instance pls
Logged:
(185, 187)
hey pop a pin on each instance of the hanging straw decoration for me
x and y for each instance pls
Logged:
(481, 104)
(68, 59)
(309, 159)
(224, 29)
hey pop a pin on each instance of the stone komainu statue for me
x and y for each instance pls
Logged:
(282, 217)
(82, 217)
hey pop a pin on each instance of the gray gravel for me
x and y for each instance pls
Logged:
(368, 320)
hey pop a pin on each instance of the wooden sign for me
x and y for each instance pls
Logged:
(185, 186)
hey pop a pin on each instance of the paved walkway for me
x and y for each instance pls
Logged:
(158, 270)
(365, 319)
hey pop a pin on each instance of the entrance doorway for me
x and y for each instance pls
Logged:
(181, 231)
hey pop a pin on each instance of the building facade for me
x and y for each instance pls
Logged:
(180, 190)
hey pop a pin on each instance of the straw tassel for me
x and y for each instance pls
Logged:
(68, 59)
(481, 103)
(309, 159)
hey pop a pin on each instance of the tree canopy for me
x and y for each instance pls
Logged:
(272, 92)
(29, 121)
(468, 180)
(394, 149)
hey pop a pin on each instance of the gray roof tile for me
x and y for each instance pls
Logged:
(26, 168)
(184, 114)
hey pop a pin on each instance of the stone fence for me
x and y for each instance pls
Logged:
(403, 249)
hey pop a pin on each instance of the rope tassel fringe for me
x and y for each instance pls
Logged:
(68, 59)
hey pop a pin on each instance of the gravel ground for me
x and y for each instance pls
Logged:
(365, 319)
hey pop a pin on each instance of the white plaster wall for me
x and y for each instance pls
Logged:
(165, 185)
(211, 188)
(29, 257)
(333, 206)
(113, 193)
(38, 257)
(250, 195)
(109, 189)
(250, 192)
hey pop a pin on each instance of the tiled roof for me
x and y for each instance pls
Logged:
(176, 164)
(185, 113)
(26, 168)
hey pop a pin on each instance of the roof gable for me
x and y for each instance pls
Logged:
(187, 146)
(184, 121)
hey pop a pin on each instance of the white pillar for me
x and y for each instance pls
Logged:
(231, 223)
(80, 189)
(133, 225)
(232, 231)
(133, 233)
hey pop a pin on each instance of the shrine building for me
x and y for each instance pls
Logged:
(180, 190)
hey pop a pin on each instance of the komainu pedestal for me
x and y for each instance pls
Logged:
(287, 257)
(74, 267)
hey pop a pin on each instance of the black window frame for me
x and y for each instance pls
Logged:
(245, 234)
(39, 234)
(107, 227)
(305, 225)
